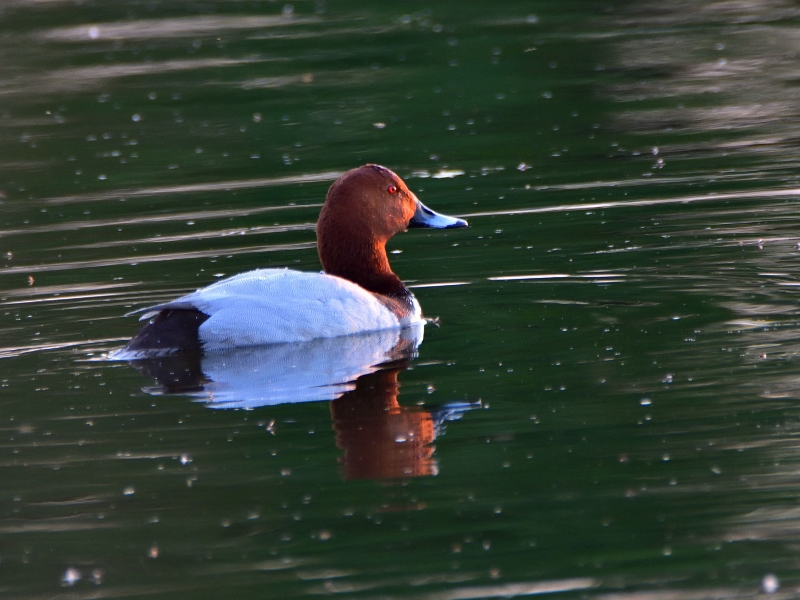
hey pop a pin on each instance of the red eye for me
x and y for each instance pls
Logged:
(392, 189)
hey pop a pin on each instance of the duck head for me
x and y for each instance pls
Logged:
(363, 209)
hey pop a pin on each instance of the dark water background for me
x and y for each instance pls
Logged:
(623, 304)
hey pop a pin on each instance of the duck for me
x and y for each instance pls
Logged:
(357, 292)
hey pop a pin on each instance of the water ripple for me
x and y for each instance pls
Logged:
(198, 188)
(14, 351)
(195, 236)
(184, 216)
(147, 29)
(711, 197)
(131, 260)
(74, 79)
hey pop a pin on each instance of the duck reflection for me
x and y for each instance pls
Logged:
(379, 438)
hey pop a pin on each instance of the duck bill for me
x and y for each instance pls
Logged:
(425, 217)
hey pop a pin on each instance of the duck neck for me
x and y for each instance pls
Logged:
(364, 262)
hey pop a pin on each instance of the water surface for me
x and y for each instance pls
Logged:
(607, 408)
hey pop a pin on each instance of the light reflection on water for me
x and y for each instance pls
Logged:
(153, 258)
(216, 186)
(148, 29)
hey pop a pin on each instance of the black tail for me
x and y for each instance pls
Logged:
(171, 330)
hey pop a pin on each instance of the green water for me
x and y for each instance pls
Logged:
(623, 304)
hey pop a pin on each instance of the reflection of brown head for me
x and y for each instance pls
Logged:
(380, 438)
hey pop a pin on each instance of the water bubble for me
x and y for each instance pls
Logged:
(94, 32)
(70, 577)
(770, 584)
(136, 118)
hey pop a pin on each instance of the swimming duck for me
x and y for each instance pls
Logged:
(356, 293)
